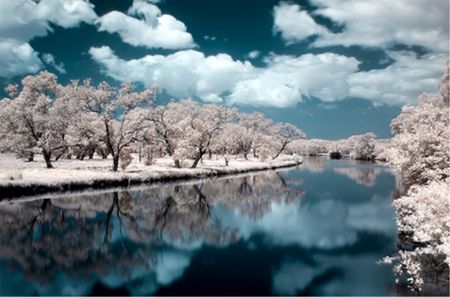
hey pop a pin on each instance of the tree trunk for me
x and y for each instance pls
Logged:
(47, 158)
(194, 165)
(279, 152)
(245, 156)
(177, 163)
(60, 155)
(115, 162)
(91, 154)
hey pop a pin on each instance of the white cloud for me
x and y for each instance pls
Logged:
(383, 23)
(182, 74)
(401, 82)
(254, 54)
(374, 23)
(49, 59)
(286, 79)
(207, 37)
(21, 21)
(214, 78)
(17, 58)
(293, 23)
(283, 82)
(148, 28)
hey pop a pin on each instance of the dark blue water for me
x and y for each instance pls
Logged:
(314, 230)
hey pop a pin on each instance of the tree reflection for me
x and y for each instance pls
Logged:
(362, 175)
(314, 164)
(93, 235)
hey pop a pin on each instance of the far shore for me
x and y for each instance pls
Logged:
(19, 178)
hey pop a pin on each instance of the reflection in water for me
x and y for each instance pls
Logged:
(314, 164)
(362, 175)
(169, 239)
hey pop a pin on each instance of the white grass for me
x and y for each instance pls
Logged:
(89, 171)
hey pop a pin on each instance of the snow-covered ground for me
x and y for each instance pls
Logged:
(16, 173)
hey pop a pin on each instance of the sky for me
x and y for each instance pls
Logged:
(334, 68)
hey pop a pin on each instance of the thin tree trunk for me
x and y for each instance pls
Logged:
(177, 163)
(115, 162)
(279, 152)
(47, 158)
(194, 165)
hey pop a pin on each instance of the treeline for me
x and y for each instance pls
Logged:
(79, 120)
(421, 154)
(359, 147)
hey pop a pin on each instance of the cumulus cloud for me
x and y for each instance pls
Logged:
(17, 58)
(144, 25)
(293, 23)
(286, 79)
(375, 23)
(383, 23)
(216, 78)
(49, 59)
(21, 21)
(182, 74)
(401, 82)
(254, 54)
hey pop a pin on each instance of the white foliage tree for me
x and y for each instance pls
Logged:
(120, 111)
(37, 115)
(421, 154)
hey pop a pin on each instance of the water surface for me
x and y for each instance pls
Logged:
(318, 229)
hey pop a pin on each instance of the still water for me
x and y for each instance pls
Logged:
(317, 229)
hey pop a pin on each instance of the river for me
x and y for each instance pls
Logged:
(317, 229)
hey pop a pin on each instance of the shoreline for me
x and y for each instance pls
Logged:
(10, 190)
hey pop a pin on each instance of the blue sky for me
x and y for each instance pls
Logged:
(334, 68)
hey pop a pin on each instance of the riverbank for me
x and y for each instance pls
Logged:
(19, 178)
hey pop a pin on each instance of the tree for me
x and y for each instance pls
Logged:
(166, 126)
(258, 128)
(230, 141)
(202, 124)
(120, 111)
(284, 134)
(362, 147)
(38, 115)
(420, 152)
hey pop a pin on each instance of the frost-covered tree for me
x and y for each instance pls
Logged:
(283, 134)
(421, 154)
(362, 147)
(119, 110)
(258, 128)
(37, 115)
(166, 127)
(230, 141)
(202, 124)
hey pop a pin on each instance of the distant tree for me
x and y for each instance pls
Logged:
(284, 134)
(362, 147)
(257, 128)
